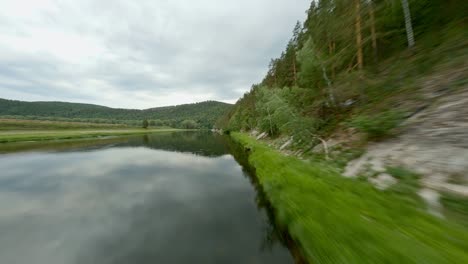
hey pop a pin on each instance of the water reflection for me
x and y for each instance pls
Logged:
(199, 143)
(132, 201)
(274, 233)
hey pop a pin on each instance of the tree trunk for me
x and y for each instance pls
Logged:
(373, 31)
(269, 119)
(329, 85)
(295, 70)
(409, 26)
(331, 51)
(358, 34)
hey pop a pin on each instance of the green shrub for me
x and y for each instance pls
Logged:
(408, 183)
(379, 125)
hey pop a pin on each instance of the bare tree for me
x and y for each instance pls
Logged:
(409, 26)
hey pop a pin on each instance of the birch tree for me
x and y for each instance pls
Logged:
(408, 24)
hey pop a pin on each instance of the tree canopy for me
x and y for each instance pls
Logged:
(348, 53)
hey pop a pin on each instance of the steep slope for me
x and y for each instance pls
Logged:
(350, 96)
(368, 79)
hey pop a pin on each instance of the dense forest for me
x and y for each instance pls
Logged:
(198, 115)
(356, 62)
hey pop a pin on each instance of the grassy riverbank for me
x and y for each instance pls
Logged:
(19, 124)
(42, 135)
(340, 220)
(33, 130)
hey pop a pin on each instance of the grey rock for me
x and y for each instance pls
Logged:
(262, 135)
(383, 181)
(286, 144)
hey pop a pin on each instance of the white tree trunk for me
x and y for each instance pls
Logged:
(409, 26)
(330, 92)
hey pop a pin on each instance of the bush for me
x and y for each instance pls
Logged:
(189, 124)
(145, 123)
(408, 182)
(378, 126)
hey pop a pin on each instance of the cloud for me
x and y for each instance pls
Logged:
(140, 54)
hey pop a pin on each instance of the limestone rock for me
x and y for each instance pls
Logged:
(286, 144)
(383, 181)
(262, 135)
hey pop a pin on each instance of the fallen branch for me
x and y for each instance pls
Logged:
(324, 143)
(325, 146)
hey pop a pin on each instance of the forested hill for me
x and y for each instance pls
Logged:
(357, 63)
(204, 113)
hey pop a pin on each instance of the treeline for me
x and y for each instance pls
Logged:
(198, 115)
(350, 56)
(188, 123)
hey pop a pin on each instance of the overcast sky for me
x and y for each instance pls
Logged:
(140, 53)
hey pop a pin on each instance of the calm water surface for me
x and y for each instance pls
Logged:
(162, 198)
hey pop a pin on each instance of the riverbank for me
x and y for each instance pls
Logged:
(341, 220)
(43, 135)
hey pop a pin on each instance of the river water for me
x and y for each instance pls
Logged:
(162, 198)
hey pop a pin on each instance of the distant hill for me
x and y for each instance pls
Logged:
(204, 113)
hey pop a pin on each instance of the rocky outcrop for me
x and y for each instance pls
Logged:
(433, 143)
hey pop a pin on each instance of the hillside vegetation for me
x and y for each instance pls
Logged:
(356, 72)
(360, 64)
(202, 114)
(341, 220)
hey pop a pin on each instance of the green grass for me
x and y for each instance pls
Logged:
(340, 220)
(18, 124)
(42, 135)
(66, 145)
(408, 182)
(14, 130)
(377, 126)
(456, 207)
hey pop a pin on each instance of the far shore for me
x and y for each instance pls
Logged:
(43, 135)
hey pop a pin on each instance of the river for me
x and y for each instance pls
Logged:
(162, 198)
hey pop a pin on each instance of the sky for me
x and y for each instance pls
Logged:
(140, 53)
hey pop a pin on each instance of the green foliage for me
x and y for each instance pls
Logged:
(311, 74)
(145, 124)
(316, 84)
(16, 124)
(189, 124)
(341, 220)
(158, 122)
(408, 183)
(456, 207)
(277, 114)
(273, 111)
(316, 81)
(205, 113)
(379, 125)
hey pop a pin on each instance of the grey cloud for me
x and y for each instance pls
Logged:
(211, 49)
(39, 76)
